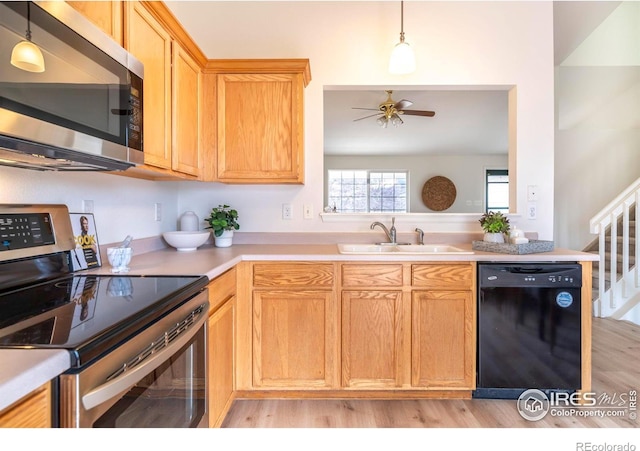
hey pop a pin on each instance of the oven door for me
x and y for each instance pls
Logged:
(157, 379)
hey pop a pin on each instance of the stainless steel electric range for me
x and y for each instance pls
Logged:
(136, 343)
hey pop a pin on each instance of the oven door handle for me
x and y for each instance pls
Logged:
(127, 379)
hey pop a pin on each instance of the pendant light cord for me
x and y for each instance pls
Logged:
(402, 21)
(28, 21)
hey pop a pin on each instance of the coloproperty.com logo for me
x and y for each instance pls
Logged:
(534, 404)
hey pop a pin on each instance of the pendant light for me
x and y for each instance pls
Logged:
(402, 59)
(26, 55)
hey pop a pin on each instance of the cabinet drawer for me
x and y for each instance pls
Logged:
(222, 288)
(293, 275)
(372, 275)
(438, 276)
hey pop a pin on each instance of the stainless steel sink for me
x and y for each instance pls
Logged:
(407, 249)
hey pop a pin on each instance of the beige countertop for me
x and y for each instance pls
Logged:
(212, 261)
(31, 368)
(24, 370)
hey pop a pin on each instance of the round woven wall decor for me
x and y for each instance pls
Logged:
(438, 193)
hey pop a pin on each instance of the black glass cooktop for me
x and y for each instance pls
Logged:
(89, 314)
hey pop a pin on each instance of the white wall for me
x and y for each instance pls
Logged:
(466, 172)
(122, 205)
(348, 43)
(598, 123)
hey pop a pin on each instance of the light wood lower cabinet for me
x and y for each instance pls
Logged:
(357, 326)
(220, 346)
(293, 338)
(294, 320)
(442, 339)
(32, 411)
(443, 351)
(408, 326)
(372, 329)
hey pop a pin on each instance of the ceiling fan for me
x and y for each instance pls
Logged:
(390, 111)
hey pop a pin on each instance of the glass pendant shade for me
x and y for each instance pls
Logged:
(402, 60)
(27, 56)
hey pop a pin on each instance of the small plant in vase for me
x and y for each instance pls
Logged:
(223, 220)
(495, 225)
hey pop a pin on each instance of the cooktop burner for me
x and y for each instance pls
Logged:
(89, 314)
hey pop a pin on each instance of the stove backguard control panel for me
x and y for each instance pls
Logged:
(25, 230)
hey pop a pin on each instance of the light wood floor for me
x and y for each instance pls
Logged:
(616, 369)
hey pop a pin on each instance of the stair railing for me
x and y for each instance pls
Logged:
(608, 218)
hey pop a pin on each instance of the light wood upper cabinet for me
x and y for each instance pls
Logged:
(106, 15)
(171, 97)
(258, 119)
(32, 411)
(148, 41)
(185, 156)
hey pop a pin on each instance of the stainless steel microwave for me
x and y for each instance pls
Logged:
(83, 111)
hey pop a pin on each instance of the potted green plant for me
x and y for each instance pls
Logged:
(495, 225)
(223, 220)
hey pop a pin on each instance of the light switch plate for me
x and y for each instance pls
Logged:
(307, 211)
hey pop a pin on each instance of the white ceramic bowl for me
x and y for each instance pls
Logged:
(186, 241)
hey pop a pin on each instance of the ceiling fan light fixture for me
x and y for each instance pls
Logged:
(25, 54)
(396, 120)
(383, 121)
(402, 60)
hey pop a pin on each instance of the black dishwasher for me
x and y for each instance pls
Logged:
(529, 328)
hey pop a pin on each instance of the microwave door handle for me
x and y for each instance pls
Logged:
(129, 378)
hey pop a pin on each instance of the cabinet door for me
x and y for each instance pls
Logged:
(148, 41)
(372, 328)
(259, 136)
(443, 339)
(186, 113)
(32, 411)
(106, 15)
(294, 339)
(220, 362)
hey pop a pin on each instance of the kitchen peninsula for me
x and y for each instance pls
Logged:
(315, 285)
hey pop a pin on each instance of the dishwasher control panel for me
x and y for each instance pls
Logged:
(568, 275)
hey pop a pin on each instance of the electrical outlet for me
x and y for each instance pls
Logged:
(532, 210)
(87, 206)
(286, 211)
(158, 211)
(308, 211)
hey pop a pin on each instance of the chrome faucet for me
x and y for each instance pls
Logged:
(391, 233)
(420, 236)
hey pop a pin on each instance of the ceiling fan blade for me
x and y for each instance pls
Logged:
(419, 113)
(402, 104)
(370, 109)
(371, 115)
